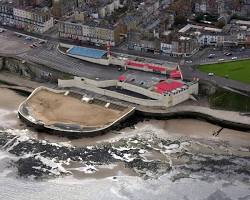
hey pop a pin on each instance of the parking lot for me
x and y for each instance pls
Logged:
(13, 43)
(219, 55)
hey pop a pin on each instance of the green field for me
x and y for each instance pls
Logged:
(236, 70)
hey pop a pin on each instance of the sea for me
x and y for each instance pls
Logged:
(154, 159)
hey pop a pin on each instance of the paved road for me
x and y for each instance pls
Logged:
(190, 70)
(202, 56)
(54, 39)
(77, 67)
(190, 73)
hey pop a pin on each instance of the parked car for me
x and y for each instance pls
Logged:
(35, 44)
(210, 74)
(28, 38)
(228, 54)
(42, 42)
(234, 58)
(221, 59)
(212, 55)
(189, 61)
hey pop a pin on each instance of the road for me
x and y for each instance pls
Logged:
(60, 62)
(51, 57)
(190, 73)
(190, 70)
(202, 57)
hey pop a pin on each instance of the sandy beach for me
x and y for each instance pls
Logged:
(54, 108)
(152, 159)
(193, 128)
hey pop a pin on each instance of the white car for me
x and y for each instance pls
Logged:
(234, 58)
(212, 55)
(189, 61)
(221, 59)
(210, 74)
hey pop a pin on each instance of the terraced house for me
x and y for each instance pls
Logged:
(94, 22)
(35, 19)
(93, 32)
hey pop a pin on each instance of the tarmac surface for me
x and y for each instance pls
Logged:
(48, 55)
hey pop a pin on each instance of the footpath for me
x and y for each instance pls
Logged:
(225, 118)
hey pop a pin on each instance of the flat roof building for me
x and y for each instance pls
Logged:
(86, 52)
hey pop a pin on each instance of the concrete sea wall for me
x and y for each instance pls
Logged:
(223, 118)
(82, 85)
(157, 100)
(30, 70)
(73, 132)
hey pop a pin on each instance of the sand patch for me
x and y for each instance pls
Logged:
(51, 108)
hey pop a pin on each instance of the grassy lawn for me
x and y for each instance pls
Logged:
(236, 70)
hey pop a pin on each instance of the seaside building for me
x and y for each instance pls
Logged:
(30, 19)
(94, 22)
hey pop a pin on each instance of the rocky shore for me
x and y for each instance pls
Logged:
(148, 157)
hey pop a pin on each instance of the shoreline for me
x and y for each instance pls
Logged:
(136, 124)
(195, 112)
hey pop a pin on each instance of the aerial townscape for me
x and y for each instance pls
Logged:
(125, 99)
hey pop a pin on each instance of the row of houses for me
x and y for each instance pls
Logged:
(92, 32)
(189, 39)
(28, 18)
(94, 22)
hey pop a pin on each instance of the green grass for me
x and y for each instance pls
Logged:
(236, 70)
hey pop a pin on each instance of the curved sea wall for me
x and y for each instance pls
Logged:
(65, 129)
(227, 119)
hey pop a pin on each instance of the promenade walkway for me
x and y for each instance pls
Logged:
(228, 118)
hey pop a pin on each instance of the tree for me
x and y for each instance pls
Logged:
(220, 24)
(180, 20)
(181, 7)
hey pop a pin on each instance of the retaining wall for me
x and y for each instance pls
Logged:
(222, 118)
(1, 63)
(159, 99)
(127, 86)
(71, 133)
(82, 85)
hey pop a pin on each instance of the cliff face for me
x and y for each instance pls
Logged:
(30, 70)
(1, 63)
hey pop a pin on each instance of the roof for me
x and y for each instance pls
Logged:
(189, 26)
(164, 86)
(243, 22)
(86, 52)
(122, 78)
(175, 74)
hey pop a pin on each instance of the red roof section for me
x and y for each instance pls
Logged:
(146, 65)
(164, 86)
(134, 64)
(175, 74)
(121, 78)
(156, 68)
